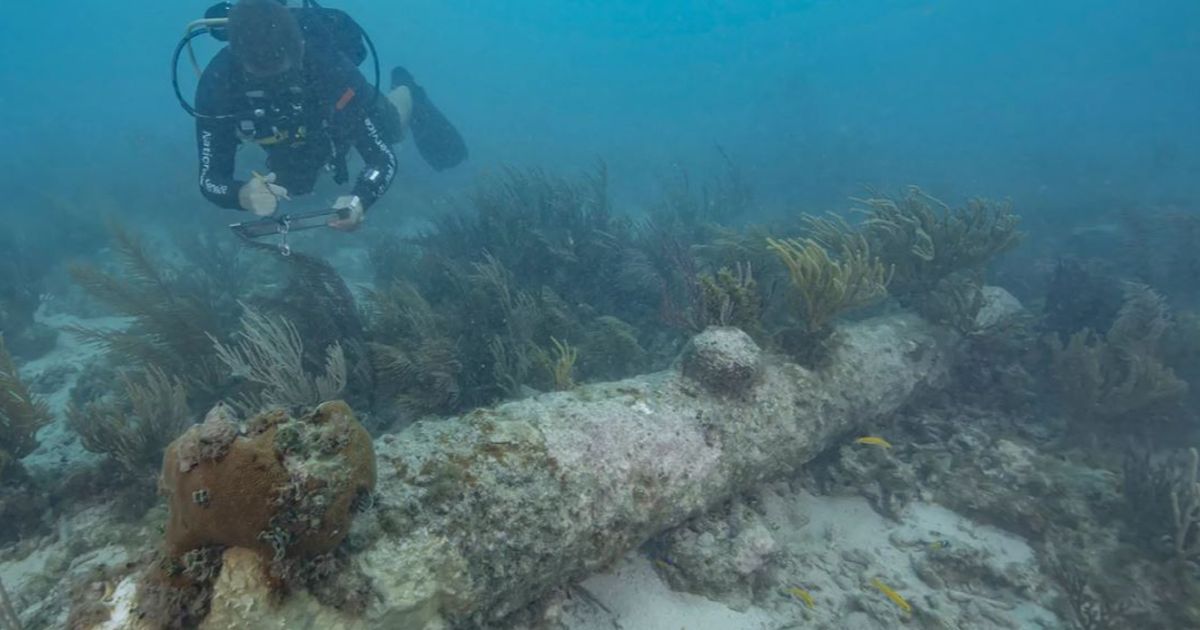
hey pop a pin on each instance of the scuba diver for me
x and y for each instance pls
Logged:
(289, 81)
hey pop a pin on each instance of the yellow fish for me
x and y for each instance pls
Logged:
(896, 598)
(873, 441)
(802, 595)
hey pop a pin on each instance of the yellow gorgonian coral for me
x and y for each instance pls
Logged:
(830, 285)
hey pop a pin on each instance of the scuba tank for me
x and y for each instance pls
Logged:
(348, 37)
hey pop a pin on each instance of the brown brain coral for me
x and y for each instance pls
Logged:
(285, 488)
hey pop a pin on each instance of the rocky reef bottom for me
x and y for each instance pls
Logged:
(974, 529)
(948, 512)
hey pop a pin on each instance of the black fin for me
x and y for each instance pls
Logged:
(438, 142)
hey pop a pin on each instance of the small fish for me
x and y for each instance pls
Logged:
(803, 596)
(896, 598)
(663, 562)
(873, 441)
(938, 545)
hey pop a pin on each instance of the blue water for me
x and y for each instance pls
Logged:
(1084, 113)
(1057, 105)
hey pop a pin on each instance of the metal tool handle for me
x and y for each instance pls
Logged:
(284, 224)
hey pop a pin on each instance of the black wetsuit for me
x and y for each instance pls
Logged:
(312, 116)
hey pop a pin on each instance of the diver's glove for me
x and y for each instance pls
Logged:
(350, 213)
(261, 195)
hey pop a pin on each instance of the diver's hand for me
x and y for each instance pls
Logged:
(261, 195)
(351, 213)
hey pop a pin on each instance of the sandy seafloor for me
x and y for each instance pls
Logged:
(830, 547)
(834, 542)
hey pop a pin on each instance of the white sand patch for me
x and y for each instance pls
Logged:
(636, 599)
(58, 446)
(842, 545)
(836, 523)
(121, 604)
(40, 580)
(77, 542)
(833, 548)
